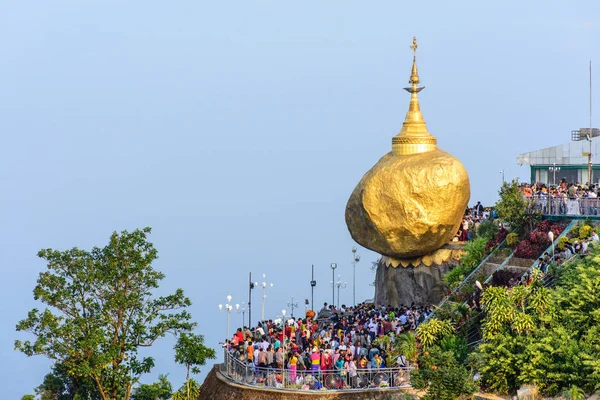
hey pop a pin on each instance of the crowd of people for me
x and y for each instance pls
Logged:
(564, 198)
(340, 342)
(473, 217)
(578, 247)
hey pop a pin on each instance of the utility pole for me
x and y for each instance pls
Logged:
(250, 287)
(313, 283)
(590, 136)
(355, 259)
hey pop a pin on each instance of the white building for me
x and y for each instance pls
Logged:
(569, 160)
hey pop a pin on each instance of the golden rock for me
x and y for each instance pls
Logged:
(412, 201)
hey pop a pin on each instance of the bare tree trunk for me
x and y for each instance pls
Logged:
(187, 381)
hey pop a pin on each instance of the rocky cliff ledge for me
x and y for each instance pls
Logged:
(217, 387)
(397, 286)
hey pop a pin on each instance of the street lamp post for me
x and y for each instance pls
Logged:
(333, 267)
(242, 311)
(313, 283)
(292, 304)
(228, 308)
(551, 236)
(502, 172)
(553, 169)
(265, 286)
(338, 285)
(355, 260)
(305, 306)
(251, 286)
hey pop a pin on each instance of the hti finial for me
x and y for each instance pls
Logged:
(414, 74)
(414, 45)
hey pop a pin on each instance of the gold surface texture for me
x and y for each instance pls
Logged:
(438, 257)
(412, 201)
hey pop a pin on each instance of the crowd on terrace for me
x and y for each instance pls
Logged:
(564, 198)
(341, 341)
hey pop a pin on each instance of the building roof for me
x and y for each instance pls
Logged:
(564, 154)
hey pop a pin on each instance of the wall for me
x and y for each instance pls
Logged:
(217, 387)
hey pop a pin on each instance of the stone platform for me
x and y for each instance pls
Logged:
(218, 387)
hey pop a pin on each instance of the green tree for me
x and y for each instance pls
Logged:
(28, 397)
(191, 352)
(546, 337)
(59, 385)
(102, 310)
(432, 330)
(161, 390)
(442, 376)
(190, 390)
(514, 209)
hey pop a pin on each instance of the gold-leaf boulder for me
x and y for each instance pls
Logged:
(412, 201)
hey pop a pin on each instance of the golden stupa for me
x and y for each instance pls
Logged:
(412, 201)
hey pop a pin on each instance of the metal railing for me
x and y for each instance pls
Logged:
(550, 249)
(584, 206)
(471, 275)
(289, 379)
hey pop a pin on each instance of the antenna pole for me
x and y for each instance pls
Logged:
(590, 155)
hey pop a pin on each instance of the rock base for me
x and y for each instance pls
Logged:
(421, 286)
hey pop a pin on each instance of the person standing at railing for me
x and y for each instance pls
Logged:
(315, 360)
(376, 362)
(350, 367)
(293, 362)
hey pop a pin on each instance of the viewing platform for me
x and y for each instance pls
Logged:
(556, 208)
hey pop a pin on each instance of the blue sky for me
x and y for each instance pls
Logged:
(237, 130)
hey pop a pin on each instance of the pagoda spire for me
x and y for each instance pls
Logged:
(414, 137)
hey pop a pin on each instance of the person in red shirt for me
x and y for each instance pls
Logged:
(240, 335)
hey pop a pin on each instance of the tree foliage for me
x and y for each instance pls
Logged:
(442, 375)
(190, 390)
(432, 330)
(161, 390)
(546, 337)
(515, 210)
(60, 385)
(474, 252)
(191, 352)
(101, 310)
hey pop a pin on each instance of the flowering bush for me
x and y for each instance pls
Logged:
(500, 236)
(526, 249)
(512, 239)
(585, 232)
(538, 240)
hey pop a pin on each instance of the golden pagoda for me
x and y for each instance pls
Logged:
(410, 204)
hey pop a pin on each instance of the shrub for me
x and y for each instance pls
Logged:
(503, 276)
(456, 275)
(525, 249)
(474, 252)
(512, 239)
(442, 376)
(585, 232)
(562, 242)
(487, 229)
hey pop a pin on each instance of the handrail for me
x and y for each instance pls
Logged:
(308, 379)
(463, 282)
(504, 263)
(565, 231)
(553, 244)
(586, 206)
